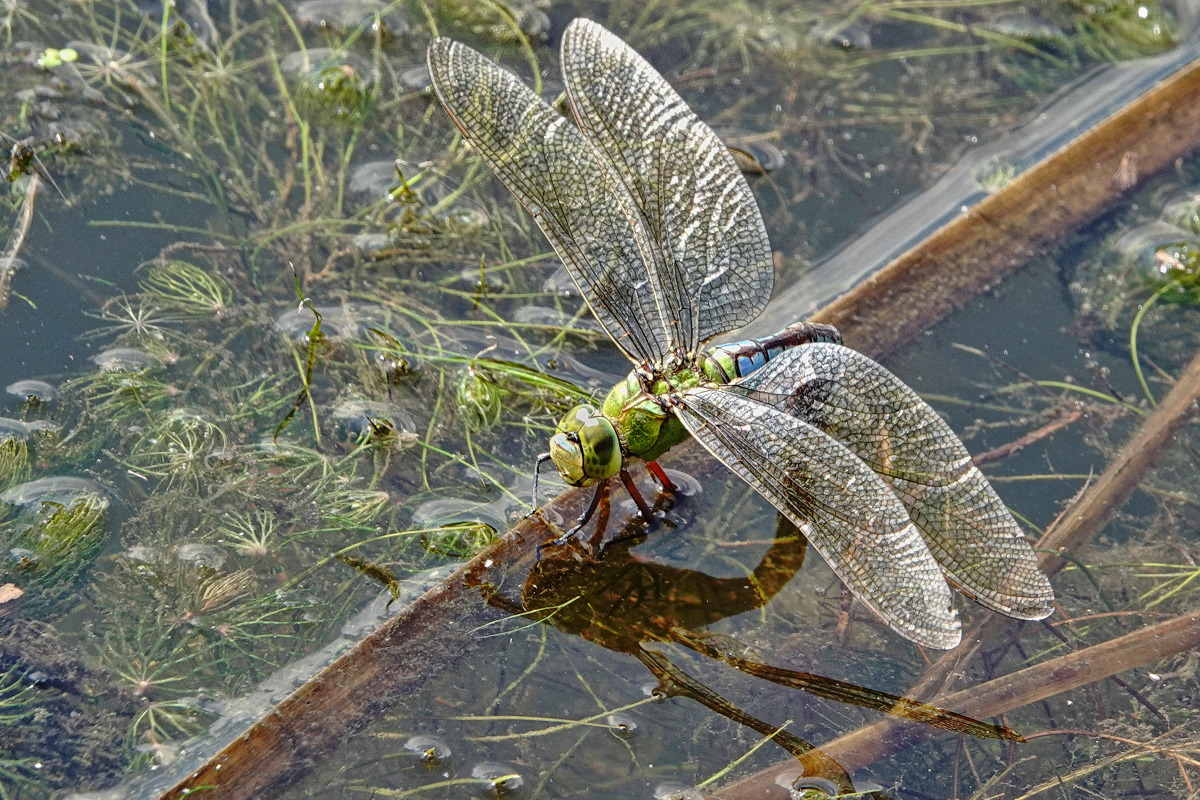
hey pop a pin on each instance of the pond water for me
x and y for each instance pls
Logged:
(217, 487)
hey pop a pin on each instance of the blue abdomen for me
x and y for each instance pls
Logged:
(728, 362)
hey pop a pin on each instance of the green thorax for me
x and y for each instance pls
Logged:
(644, 423)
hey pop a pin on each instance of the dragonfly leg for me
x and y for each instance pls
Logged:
(647, 514)
(537, 472)
(661, 474)
(601, 490)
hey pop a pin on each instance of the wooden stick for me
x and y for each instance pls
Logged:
(1109, 493)
(1008, 230)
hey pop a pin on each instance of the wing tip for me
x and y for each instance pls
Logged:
(1030, 597)
(940, 629)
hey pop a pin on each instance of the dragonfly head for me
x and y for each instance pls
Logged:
(585, 447)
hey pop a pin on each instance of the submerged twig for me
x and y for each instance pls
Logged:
(1131, 464)
(16, 239)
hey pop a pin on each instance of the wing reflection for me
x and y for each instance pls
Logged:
(623, 603)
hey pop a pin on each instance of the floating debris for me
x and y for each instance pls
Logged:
(430, 749)
(338, 323)
(342, 15)
(453, 511)
(370, 420)
(331, 85)
(1184, 211)
(561, 283)
(122, 359)
(677, 791)
(416, 78)
(500, 777)
(622, 723)
(32, 390)
(197, 554)
(1142, 244)
(62, 490)
(372, 244)
(854, 35)
(545, 316)
(754, 154)
(14, 429)
(378, 179)
(1025, 26)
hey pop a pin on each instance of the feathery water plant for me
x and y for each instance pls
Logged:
(185, 287)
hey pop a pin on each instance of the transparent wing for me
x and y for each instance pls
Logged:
(847, 512)
(706, 245)
(544, 161)
(882, 421)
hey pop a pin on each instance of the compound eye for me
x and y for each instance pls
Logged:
(568, 458)
(600, 447)
(576, 418)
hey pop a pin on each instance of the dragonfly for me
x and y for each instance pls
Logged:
(661, 232)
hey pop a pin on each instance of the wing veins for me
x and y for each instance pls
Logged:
(878, 552)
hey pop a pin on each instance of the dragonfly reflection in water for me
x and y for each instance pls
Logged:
(660, 230)
(630, 605)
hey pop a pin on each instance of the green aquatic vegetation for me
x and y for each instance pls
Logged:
(178, 450)
(16, 692)
(347, 506)
(479, 399)
(458, 539)
(226, 567)
(254, 534)
(516, 21)
(185, 287)
(14, 461)
(132, 318)
(18, 775)
(337, 90)
(50, 551)
(1115, 30)
(1178, 278)
(156, 667)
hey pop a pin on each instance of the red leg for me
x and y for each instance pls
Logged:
(661, 474)
(647, 514)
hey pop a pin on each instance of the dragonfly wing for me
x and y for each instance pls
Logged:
(706, 246)
(847, 512)
(886, 424)
(544, 161)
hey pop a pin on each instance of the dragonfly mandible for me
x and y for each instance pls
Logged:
(662, 234)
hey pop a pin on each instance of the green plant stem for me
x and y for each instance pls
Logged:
(1133, 337)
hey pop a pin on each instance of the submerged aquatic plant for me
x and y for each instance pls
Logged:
(187, 288)
(51, 549)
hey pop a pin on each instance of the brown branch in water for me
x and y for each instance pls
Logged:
(8, 260)
(1006, 450)
(1135, 460)
(1008, 230)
